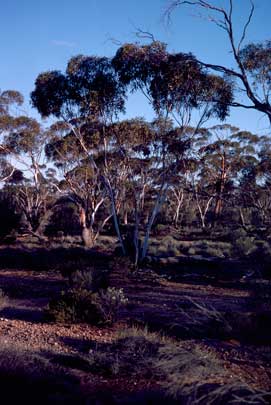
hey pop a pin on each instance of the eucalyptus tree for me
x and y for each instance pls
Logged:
(94, 90)
(22, 159)
(252, 70)
(8, 100)
(255, 183)
(81, 181)
(87, 93)
(224, 151)
(179, 89)
(24, 143)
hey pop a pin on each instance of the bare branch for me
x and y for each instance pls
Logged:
(145, 35)
(8, 176)
(246, 27)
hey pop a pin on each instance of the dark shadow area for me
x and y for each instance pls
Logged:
(28, 378)
(29, 286)
(23, 314)
(46, 258)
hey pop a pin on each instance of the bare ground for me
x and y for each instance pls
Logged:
(152, 301)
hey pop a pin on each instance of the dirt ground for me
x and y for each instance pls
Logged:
(153, 301)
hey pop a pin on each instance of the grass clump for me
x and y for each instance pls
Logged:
(134, 352)
(169, 246)
(203, 320)
(189, 375)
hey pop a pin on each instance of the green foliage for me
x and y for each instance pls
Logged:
(168, 246)
(261, 258)
(9, 98)
(73, 306)
(109, 303)
(185, 369)
(89, 86)
(256, 58)
(81, 305)
(187, 374)
(244, 246)
(82, 279)
(82, 275)
(192, 251)
(213, 252)
(171, 80)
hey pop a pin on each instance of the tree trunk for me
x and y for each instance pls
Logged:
(125, 217)
(242, 218)
(87, 232)
(159, 202)
(114, 213)
(87, 237)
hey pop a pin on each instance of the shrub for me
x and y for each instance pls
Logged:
(122, 263)
(3, 299)
(109, 303)
(73, 306)
(261, 258)
(244, 246)
(190, 375)
(169, 246)
(191, 251)
(82, 279)
(215, 252)
(81, 305)
(81, 275)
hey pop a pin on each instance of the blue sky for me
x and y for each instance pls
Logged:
(39, 35)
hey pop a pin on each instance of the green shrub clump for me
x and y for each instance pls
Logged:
(81, 275)
(82, 305)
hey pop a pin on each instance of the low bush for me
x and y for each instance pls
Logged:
(109, 302)
(214, 252)
(244, 246)
(261, 258)
(81, 305)
(3, 299)
(82, 275)
(121, 263)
